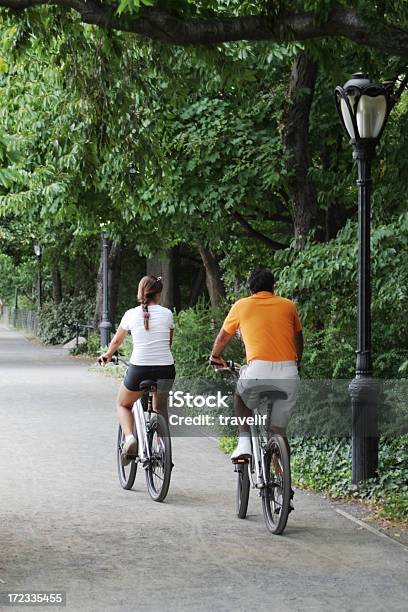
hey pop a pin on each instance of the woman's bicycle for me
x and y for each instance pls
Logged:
(268, 470)
(154, 445)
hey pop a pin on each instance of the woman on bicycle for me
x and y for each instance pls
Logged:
(151, 326)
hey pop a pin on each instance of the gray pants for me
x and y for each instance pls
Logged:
(261, 376)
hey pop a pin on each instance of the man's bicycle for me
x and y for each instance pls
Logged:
(268, 470)
(154, 445)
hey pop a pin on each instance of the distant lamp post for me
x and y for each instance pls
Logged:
(38, 252)
(15, 308)
(105, 325)
(364, 108)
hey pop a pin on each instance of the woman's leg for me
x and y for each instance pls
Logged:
(124, 405)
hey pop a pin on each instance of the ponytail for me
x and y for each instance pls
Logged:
(149, 286)
(146, 313)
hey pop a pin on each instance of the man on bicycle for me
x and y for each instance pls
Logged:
(272, 334)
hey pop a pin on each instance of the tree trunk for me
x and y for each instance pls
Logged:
(215, 286)
(197, 287)
(301, 189)
(56, 285)
(114, 269)
(176, 278)
(114, 273)
(162, 265)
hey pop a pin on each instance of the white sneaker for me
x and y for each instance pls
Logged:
(244, 448)
(129, 450)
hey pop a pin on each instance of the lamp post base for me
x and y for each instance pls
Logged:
(104, 328)
(364, 391)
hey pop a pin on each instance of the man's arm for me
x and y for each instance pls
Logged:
(220, 343)
(299, 346)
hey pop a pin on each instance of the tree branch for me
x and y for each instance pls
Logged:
(269, 216)
(158, 24)
(250, 231)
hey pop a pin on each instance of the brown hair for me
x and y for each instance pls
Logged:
(149, 286)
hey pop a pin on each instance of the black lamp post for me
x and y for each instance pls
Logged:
(364, 108)
(105, 325)
(15, 308)
(38, 252)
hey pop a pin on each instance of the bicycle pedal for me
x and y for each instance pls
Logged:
(240, 460)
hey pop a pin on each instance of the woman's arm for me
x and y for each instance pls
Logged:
(116, 341)
(171, 337)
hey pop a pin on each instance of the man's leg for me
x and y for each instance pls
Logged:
(160, 401)
(244, 447)
(241, 411)
(282, 432)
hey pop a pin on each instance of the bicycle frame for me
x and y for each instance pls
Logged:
(258, 457)
(141, 430)
(257, 451)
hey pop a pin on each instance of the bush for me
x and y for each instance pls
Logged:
(323, 279)
(228, 443)
(325, 465)
(57, 321)
(91, 347)
(322, 463)
(195, 332)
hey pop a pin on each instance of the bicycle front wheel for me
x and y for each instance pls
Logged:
(276, 494)
(126, 473)
(243, 487)
(158, 470)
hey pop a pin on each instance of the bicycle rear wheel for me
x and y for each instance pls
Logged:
(277, 491)
(158, 470)
(243, 487)
(126, 473)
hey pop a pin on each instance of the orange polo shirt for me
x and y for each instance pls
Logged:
(268, 324)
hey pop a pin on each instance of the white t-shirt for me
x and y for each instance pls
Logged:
(150, 346)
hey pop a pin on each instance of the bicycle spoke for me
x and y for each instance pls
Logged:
(158, 471)
(126, 473)
(276, 497)
(157, 475)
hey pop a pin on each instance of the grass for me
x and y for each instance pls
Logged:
(323, 464)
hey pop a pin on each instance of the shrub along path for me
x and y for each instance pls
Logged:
(66, 524)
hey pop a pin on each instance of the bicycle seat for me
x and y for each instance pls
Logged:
(148, 385)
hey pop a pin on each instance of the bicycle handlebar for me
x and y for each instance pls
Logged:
(232, 366)
(115, 360)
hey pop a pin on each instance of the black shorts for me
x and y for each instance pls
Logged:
(164, 374)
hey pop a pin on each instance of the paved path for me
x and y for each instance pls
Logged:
(66, 524)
